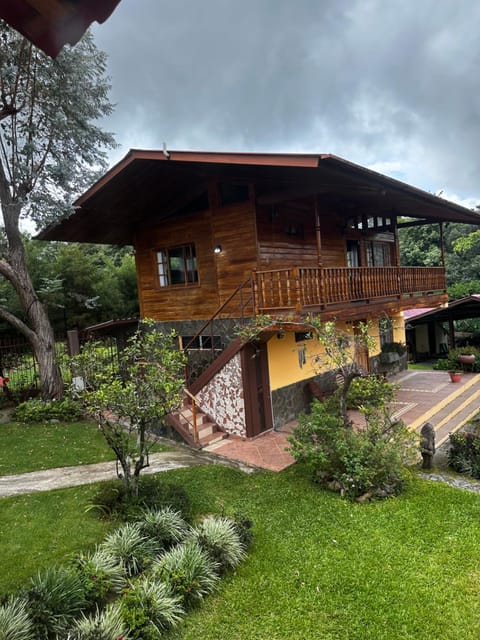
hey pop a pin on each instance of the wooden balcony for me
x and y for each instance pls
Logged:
(303, 289)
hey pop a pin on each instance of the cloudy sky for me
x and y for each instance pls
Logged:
(390, 84)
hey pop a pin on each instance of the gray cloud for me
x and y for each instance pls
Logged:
(386, 83)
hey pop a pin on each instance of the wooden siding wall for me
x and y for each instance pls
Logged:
(232, 227)
(279, 248)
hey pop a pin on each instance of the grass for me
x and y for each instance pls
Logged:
(325, 568)
(42, 529)
(320, 567)
(48, 445)
(421, 366)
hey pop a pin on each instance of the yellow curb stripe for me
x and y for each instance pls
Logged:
(459, 425)
(443, 403)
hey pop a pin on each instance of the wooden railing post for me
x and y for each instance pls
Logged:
(298, 289)
(194, 420)
(194, 414)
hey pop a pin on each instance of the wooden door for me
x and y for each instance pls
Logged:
(258, 405)
(361, 350)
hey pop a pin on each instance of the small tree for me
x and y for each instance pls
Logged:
(127, 403)
(340, 350)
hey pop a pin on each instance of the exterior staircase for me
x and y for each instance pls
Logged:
(195, 426)
(453, 412)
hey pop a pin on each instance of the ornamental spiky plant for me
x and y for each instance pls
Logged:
(189, 571)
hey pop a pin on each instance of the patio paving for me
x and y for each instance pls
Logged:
(421, 395)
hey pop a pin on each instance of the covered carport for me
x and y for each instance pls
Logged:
(431, 332)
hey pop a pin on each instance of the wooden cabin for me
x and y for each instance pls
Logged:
(223, 237)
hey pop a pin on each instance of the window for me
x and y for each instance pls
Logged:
(177, 266)
(370, 223)
(301, 336)
(378, 254)
(353, 253)
(385, 330)
(202, 342)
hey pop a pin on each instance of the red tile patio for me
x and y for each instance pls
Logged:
(420, 393)
(266, 451)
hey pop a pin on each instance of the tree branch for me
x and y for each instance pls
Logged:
(9, 274)
(18, 324)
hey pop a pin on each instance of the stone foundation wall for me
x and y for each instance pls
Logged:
(288, 402)
(387, 364)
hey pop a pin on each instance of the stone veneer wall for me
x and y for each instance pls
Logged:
(224, 327)
(222, 398)
(388, 368)
(288, 402)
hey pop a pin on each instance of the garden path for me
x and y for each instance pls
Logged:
(85, 474)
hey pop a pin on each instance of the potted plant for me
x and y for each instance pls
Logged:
(455, 375)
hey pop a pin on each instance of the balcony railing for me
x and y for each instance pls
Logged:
(301, 288)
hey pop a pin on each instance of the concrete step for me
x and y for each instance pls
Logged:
(453, 412)
(213, 441)
(186, 416)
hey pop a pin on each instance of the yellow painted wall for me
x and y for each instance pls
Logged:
(399, 328)
(287, 366)
(285, 362)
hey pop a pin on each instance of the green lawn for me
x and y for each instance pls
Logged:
(421, 366)
(45, 528)
(324, 568)
(320, 567)
(29, 447)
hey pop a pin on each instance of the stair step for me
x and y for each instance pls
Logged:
(437, 412)
(186, 416)
(213, 440)
(205, 429)
(461, 413)
(451, 415)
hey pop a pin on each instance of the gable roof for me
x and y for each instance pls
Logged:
(148, 185)
(50, 24)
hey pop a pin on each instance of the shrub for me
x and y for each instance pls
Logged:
(370, 391)
(36, 410)
(130, 548)
(464, 453)
(149, 608)
(451, 361)
(218, 537)
(101, 576)
(109, 501)
(55, 596)
(15, 623)
(394, 347)
(155, 493)
(356, 463)
(112, 501)
(165, 526)
(104, 625)
(189, 572)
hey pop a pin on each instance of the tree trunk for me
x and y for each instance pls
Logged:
(348, 378)
(37, 328)
(51, 383)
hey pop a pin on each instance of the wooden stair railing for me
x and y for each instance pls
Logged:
(194, 425)
(246, 298)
